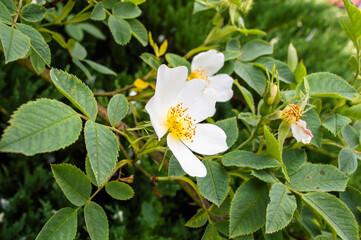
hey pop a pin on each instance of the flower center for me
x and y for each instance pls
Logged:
(180, 124)
(292, 114)
(198, 74)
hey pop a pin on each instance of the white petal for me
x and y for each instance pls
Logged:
(209, 139)
(169, 82)
(222, 86)
(188, 161)
(301, 133)
(209, 61)
(200, 105)
(157, 118)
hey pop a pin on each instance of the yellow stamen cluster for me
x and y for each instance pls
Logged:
(292, 114)
(180, 124)
(198, 74)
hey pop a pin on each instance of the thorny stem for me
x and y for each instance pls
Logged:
(17, 13)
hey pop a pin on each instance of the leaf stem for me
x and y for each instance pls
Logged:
(17, 13)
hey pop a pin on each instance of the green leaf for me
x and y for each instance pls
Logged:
(5, 15)
(10, 6)
(214, 186)
(334, 212)
(248, 208)
(100, 68)
(242, 158)
(92, 30)
(41, 126)
(300, 72)
(294, 160)
(346, 25)
(37, 62)
(102, 146)
(175, 60)
(14, 43)
(335, 123)
(175, 169)
(82, 67)
(352, 198)
(65, 12)
(318, 177)
(120, 29)
(355, 17)
(198, 220)
(151, 60)
(353, 112)
(252, 75)
(284, 72)
(33, 12)
(292, 59)
(280, 209)
(264, 176)
(37, 42)
(73, 182)
(230, 54)
(274, 236)
(89, 171)
(350, 136)
(98, 13)
(248, 97)
(325, 84)
(79, 52)
(62, 225)
(119, 190)
(75, 32)
(96, 221)
(117, 109)
(229, 126)
(126, 10)
(273, 148)
(314, 124)
(323, 237)
(138, 31)
(210, 233)
(108, 4)
(76, 91)
(254, 49)
(347, 161)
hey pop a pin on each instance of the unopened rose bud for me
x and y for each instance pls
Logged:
(274, 96)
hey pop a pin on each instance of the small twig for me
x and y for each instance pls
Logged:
(17, 13)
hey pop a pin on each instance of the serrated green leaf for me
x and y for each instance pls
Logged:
(37, 42)
(120, 29)
(138, 31)
(119, 190)
(222, 210)
(175, 168)
(62, 225)
(350, 136)
(98, 13)
(214, 186)
(14, 43)
(318, 177)
(102, 147)
(284, 73)
(89, 171)
(248, 208)
(355, 15)
(73, 182)
(126, 10)
(314, 124)
(242, 158)
(334, 212)
(280, 209)
(41, 126)
(76, 91)
(117, 109)
(274, 236)
(175, 60)
(325, 84)
(264, 176)
(33, 12)
(247, 95)
(10, 6)
(352, 198)
(100, 68)
(96, 221)
(294, 159)
(198, 220)
(273, 147)
(254, 49)
(347, 161)
(37, 62)
(229, 126)
(151, 60)
(210, 233)
(5, 15)
(252, 75)
(353, 112)
(335, 123)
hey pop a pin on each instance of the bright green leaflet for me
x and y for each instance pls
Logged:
(126, 10)
(100, 68)
(138, 31)
(119, 190)
(254, 49)
(241, 158)
(198, 220)
(335, 123)
(98, 12)
(117, 109)
(120, 29)
(252, 75)
(151, 60)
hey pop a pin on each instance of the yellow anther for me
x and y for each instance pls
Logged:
(198, 74)
(180, 124)
(292, 114)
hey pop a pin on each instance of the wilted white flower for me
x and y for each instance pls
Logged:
(204, 66)
(176, 108)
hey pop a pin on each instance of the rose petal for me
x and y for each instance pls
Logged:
(157, 118)
(209, 61)
(188, 161)
(200, 105)
(301, 133)
(222, 86)
(209, 139)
